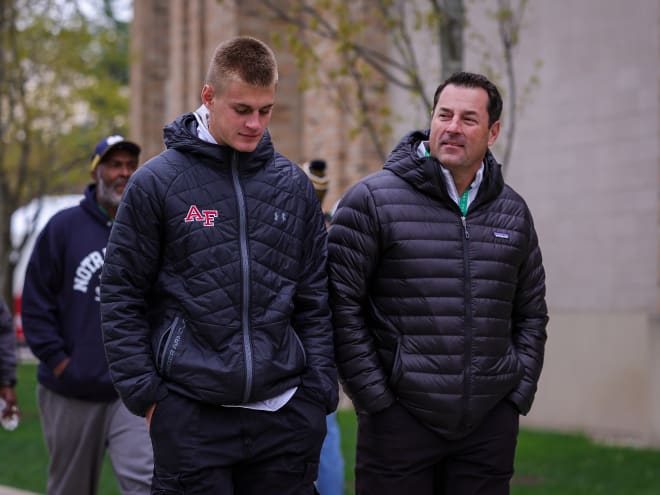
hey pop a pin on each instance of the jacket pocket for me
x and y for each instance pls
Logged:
(299, 344)
(192, 366)
(168, 343)
(397, 365)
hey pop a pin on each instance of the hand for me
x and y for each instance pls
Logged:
(59, 369)
(11, 404)
(150, 413)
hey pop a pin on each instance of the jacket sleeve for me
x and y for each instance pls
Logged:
(353, 258)
(7, 347)
(130, 268)
(39, 313)
(529, 321)
(312, 319)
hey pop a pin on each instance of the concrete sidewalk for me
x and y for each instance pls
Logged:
(5, 490)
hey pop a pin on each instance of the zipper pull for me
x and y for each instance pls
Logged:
(465, 229)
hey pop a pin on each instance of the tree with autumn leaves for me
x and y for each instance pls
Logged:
(63, 85)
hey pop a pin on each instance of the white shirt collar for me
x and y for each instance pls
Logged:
(202, 117)
(422, 150)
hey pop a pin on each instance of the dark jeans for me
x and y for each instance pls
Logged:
(204, 449)
(397, 455)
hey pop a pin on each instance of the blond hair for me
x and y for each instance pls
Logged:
(245, 58)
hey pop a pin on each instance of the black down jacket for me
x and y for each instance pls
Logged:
(214, 283)
(445, 314)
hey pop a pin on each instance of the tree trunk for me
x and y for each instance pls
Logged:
(450, 30)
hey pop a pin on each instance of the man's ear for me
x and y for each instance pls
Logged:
(493, 132)
(207, 95)
(93, 173)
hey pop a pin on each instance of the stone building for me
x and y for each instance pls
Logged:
(172, 43)
(586, 158)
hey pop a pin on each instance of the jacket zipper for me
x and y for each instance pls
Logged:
(467, 375)
(465, 229)
(172, 345)
(245, 277)
(163, 350)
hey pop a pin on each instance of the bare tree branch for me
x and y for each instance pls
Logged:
(343, 24)
(392, 69)
(509, 24)
(451, 16)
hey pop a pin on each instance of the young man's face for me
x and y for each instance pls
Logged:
(460, 134)
(112, 175)
(239, 113)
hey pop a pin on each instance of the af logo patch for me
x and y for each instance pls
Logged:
(207, 217)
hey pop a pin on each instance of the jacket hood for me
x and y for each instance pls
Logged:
(181, 135)
(424, 173)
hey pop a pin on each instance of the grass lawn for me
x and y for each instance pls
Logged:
(546, 463)
(23, 454)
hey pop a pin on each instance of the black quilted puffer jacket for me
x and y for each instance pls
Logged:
(445, 314)
(214, 283)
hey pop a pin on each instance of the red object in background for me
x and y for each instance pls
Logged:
(18, 324)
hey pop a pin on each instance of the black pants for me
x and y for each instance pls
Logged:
(204, 449)
(397, 455)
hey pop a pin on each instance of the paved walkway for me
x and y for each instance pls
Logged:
(5, 490)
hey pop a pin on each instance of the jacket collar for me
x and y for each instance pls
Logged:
(181, 135)
(424, 172)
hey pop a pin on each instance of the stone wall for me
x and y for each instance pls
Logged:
(172, 43)
(586, 159)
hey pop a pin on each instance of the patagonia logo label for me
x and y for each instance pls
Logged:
(501, 235)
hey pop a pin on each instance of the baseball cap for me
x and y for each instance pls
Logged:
(112, 143)
(315, 170)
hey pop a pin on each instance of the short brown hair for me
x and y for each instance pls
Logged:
(243, 57)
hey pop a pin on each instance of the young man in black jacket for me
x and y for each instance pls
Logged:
(214, 297)
(438, 295)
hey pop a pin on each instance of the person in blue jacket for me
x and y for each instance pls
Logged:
(331, 465)
(81, 414)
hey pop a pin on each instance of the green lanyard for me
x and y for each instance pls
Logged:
(463, 201)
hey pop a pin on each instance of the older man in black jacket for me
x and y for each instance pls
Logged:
(438, 293)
